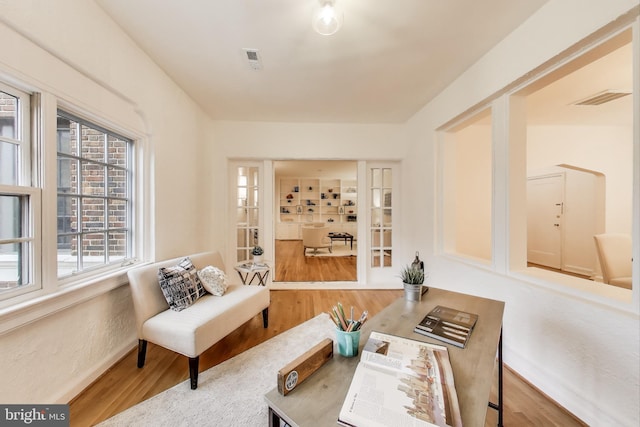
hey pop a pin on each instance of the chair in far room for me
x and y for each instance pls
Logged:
(315, 237)
(614, 254)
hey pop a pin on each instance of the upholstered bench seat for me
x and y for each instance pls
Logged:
(200, 325)
(191, 331)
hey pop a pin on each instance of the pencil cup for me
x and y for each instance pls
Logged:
(348, 342)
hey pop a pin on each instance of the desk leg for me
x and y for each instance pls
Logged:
(275, 420)
(499, 406)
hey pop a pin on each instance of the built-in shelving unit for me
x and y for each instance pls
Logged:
(304, 200)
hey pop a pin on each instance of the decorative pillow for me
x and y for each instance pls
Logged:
(180, 284)
(213, 280)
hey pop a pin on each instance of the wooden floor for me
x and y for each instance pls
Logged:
(293, 266)
(124, 385)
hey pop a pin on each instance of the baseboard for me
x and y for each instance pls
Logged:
(573, 400)
(79, 384)
(524, 380)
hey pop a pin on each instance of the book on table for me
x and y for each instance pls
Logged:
(401, 381)
(448, 325)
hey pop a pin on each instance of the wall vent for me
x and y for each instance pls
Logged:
(602, 97)
(253, 58)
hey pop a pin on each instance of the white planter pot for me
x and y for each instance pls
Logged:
(257, 259)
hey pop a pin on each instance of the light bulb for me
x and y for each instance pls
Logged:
(327, 20)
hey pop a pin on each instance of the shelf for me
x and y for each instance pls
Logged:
(318, 200)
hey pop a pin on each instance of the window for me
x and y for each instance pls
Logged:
(247, 208)
(18, 200)
(466, 188)
(380, 216)
(94, 203)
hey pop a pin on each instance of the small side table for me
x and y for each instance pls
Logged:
(250, 272)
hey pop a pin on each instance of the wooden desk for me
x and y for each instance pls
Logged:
(318, 400)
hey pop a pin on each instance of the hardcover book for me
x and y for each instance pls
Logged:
(401, 382)
(448, 325)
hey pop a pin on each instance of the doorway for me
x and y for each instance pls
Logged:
(321, 194)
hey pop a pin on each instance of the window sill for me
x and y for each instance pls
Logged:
(41, 306)
(576, 287)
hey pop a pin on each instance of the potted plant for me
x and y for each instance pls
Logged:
(413, 278)
(257, 254)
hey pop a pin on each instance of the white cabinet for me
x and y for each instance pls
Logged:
(288, 231)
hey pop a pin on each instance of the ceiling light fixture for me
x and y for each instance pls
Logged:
(327, 19)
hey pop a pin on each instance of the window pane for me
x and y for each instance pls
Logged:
(9, 162)
(67, 136)
(117, 246)
(376, 178)
(92, 211)
(376, 218)
(67, 175)
(8, 115)
(93, 142)
(242, 238)
(67, 255)
(93, 250)
(241, 216)
(117, 214)
(253, 217)
(116, 151)
(375, 197)
(12, 265)
(386, 178)
(93, 181)
(67, 221)
(375, 258)
(11, 214)
(386, 197)
(117, 182)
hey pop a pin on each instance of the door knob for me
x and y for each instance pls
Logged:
(556, 225)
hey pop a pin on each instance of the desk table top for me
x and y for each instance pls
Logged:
(318, 400)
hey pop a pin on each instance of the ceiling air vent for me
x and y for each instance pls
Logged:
(253, 58)
(602, 97)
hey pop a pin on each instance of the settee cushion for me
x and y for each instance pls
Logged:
(180, 284)
(192, 331)
(213, 280)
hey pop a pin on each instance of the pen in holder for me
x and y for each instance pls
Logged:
(348, 342)
(347, 330)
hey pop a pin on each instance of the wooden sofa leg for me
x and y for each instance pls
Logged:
(142, 352)
(193, 371)
(265, 317)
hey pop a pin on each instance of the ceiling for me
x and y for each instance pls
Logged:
(386, 62)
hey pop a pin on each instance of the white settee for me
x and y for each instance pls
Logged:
(193, 330)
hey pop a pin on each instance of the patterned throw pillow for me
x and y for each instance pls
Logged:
(214, 280)
(180, 284)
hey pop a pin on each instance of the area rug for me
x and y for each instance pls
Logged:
(231, 393)
(338, 249)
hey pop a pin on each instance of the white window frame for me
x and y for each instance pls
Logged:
(130, 214)
(26, 189)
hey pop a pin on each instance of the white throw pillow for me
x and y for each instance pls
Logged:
(214, 280)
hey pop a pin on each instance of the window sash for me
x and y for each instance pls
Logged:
(94, 196)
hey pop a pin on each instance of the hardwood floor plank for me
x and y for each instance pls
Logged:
(293, 266)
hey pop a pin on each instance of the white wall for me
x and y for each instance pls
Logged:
(71, 49)
(297, 141)
(578, 344)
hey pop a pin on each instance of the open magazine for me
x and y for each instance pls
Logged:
(401, 382)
